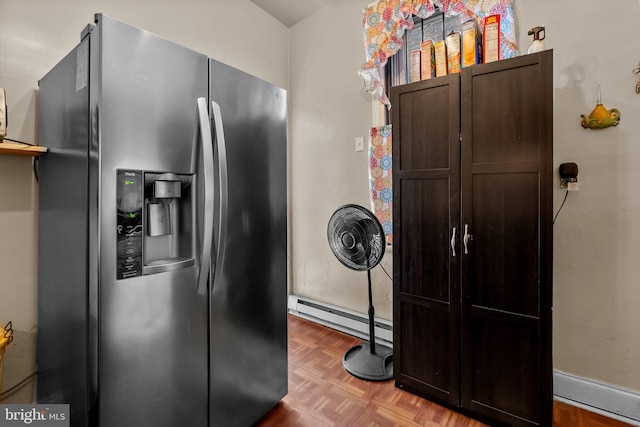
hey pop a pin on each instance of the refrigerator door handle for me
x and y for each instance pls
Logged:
(207, 158)
(223, 193)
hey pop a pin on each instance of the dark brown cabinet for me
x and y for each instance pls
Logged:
(473, 239)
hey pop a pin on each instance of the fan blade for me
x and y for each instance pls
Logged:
(356, 237)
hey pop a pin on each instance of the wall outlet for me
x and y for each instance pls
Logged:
(571, 184)
(359, 143)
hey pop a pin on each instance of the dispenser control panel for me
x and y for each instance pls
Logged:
(129, 198)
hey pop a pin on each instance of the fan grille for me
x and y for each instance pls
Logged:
(356, 237)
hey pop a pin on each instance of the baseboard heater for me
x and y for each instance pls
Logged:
(604, 399)
(341, 319)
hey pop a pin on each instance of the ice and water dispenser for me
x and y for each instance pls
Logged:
(155, 231)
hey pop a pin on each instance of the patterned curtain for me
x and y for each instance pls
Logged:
(385, 21)
(380, 177)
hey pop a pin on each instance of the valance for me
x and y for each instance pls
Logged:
(385, 21)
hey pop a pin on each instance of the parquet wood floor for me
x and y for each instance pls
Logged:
(322, 393)
(569, 416)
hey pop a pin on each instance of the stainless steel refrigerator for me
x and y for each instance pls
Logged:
(162, 235)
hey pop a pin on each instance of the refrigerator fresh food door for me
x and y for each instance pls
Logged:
(248, 311)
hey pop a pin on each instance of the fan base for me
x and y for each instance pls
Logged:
(359, 362)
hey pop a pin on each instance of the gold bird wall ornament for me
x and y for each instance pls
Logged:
(600, 117)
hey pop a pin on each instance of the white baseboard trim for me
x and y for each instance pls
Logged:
(612, 402)
(341, 319)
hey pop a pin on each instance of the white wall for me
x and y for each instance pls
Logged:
(597, 235)
(329, 109)
(34, 36)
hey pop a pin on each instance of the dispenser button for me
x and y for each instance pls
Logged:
(167, 189)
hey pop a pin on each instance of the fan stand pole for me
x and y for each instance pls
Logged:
(372, 337)
(364, 360)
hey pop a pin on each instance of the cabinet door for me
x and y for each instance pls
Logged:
(507, 131)
(426, 204)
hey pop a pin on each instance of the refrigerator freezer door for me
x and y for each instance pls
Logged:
(248, 312)
(153, 337)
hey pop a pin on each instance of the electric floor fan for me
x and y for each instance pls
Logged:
(357, 240)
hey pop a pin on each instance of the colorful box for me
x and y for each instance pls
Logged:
(471, 44)
(453, 52)
(491, 42)
(428, 59)
(440, 48)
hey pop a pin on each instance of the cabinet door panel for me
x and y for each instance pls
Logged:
(504, 259)
(427, 343)
(510, 348)
(424, 143)
(425, 218)
(506, 111)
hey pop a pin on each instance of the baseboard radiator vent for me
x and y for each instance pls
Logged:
(341, 319)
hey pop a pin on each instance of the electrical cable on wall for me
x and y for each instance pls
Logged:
(36, 168)
(385, 272)
(561, 206)
(15, 388)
